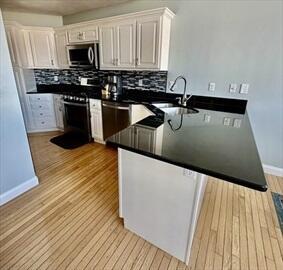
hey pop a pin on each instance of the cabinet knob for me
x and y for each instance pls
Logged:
(40, 106)
(42, 122)
(41, 113)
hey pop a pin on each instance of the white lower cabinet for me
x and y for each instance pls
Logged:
(42, 111)
(58, 108)
(96, 120)
(145, 138)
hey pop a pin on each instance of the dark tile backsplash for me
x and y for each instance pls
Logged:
(152, 80)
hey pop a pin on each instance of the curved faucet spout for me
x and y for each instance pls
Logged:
(184, 98)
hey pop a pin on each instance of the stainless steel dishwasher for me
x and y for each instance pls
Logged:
(115, 116)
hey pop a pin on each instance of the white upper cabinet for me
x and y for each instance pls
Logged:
(43, 48)
(61, 50)
(107, 46)
(83, 34)
(136, 41)
(126, 44)
(148, 42)
(17, 47)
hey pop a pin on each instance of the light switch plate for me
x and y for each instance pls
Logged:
(226, 121)
(237, 123)
(211, 87)
(244, 88)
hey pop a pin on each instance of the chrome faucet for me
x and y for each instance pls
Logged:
(182, 101)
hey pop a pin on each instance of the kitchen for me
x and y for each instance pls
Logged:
(87, 88)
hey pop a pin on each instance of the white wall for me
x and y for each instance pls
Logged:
(226, 42)
(32, 19)
(16, 166)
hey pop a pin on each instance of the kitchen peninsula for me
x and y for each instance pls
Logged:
(164, 161)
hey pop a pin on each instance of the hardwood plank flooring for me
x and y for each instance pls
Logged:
(70, 221)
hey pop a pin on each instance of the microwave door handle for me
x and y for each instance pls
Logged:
(90, 55)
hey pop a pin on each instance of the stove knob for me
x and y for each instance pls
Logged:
(71, 98)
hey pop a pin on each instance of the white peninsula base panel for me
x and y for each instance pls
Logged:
(160, 202)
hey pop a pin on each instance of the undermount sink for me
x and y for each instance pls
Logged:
(173, 109)
(164, 105)
(178, 110)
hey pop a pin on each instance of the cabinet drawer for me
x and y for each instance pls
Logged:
(41, 106)
(39, 98)
(42, 113)
(95, 104)
(44, 123)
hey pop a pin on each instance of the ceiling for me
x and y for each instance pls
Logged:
(56, 7)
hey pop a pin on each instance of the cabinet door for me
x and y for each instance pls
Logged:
(148, 42)
(107, 46)
(61, 42)
(144, 138)
(42, 45)
(83, 34)
(11, 45)
(96, 125)
(126, 44)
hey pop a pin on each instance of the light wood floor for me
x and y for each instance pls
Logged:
(70, 221)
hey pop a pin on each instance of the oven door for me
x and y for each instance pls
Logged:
(85, 55)
(77, 118)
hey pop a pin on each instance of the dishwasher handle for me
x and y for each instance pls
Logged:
(116, 107)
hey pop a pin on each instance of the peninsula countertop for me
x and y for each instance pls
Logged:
(212, 142)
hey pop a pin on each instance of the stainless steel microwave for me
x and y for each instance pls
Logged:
(83, 55)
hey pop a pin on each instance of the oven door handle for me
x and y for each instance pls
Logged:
(116, 107)
(75, 104)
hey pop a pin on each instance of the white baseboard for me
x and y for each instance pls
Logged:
(16, 191)
(273, 170)
(43, 130)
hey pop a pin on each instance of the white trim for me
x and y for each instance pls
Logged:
(272, 170)
(18, 190)
(43, 130)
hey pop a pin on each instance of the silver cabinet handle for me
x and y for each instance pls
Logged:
(52, 62)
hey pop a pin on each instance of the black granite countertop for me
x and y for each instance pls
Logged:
(217, 140)
(213, 142)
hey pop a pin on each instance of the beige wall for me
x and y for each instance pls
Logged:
(32, 19)
(226, 42)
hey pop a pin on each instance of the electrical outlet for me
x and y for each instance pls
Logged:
(189, 173)
(140, 82)
(233, 88)
(56, 79)
(211, 87)
(207, 118)
(244, 88)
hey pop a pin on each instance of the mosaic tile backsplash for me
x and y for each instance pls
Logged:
(151, 80)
